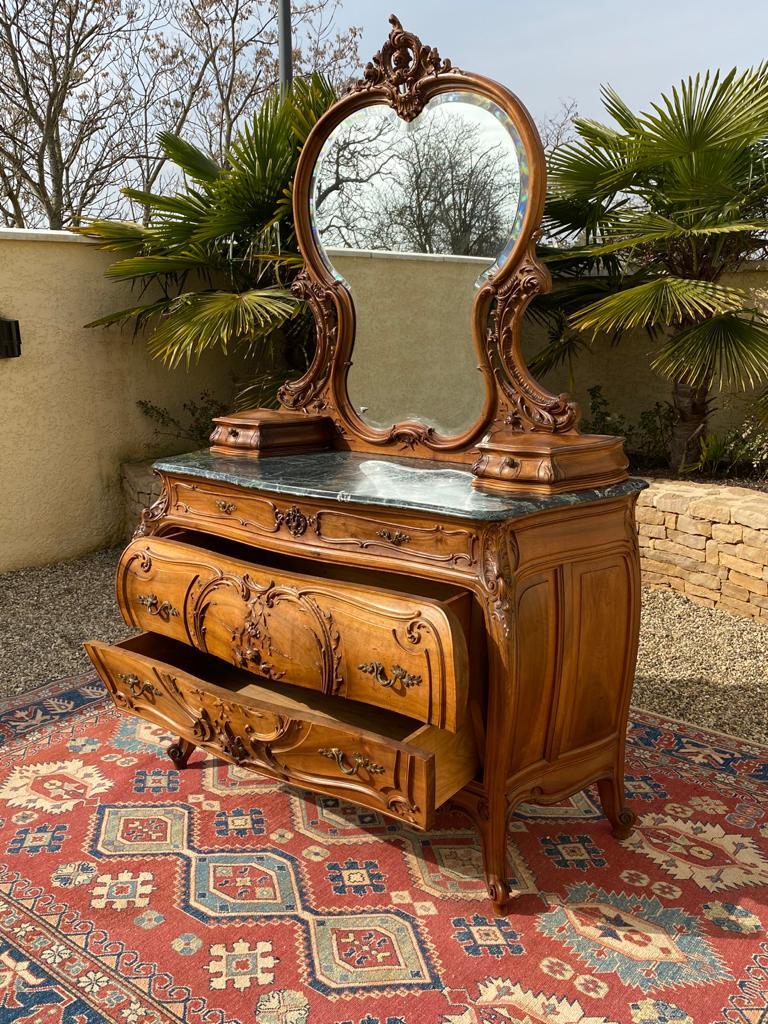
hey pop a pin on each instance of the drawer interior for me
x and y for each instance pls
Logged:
(437, 590)
(281, 696)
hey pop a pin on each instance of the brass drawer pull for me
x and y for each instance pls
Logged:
(358, 761)
(152, 603)
(137, 687)
(397, 538)
(227, 507)
(398, 675)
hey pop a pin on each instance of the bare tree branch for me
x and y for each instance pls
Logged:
(86, 86)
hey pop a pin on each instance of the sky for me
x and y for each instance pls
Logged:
(554, 50)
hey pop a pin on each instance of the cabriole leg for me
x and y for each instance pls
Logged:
(611, 793)
(180, 752)
(492, 821)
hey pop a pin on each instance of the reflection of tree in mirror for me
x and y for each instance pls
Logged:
(348, 178)
(445, 184)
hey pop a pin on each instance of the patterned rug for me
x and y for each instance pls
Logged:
(135, 893)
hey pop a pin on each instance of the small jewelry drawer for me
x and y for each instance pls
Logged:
(249, 516)
(338, 634)
(375, 758)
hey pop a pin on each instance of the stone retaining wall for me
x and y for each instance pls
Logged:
(708, 542)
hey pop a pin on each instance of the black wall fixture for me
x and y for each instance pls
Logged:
(10, 339)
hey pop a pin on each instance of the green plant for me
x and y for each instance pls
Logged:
(601, 420)
(195, 427)
(647, 215)
(647, 442)
(218, 256)
(742, 452)
(653, 436)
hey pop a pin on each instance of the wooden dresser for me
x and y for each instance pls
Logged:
(379, 630)
(409, 613)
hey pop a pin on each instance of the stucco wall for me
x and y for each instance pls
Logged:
(68, 405)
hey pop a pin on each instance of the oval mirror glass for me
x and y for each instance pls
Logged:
(412, 218)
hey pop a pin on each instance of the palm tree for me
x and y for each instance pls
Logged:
(218, 256)
(647, 215)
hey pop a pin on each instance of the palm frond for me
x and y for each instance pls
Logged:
(262, 160)
(726, 350)
(190, 203)
(198, 321)
(232, 227)
(646, 228)
(568, 297)
(141, 314)
(628, 121)
(761, 407)
(192, 160)
(309, 99)
(709, 112)
(595, 172)
(261, 391)
(660, 302)
(563, 348)
(137, 267)
(117, 235)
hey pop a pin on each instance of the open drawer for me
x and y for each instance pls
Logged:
(369, 756)
(339, 634)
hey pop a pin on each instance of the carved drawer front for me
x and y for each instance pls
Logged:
(253, 516)
(403, 651)
(375, 758)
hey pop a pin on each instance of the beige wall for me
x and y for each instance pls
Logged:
(410, 346)
(68, 413)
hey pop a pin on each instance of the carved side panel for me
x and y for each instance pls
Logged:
(152, 516)
(577, 622)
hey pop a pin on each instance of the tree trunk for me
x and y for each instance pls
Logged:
(691, 408)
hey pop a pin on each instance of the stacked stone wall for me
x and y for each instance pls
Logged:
(707, 542)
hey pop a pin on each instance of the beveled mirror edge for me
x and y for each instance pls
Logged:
(517, 410)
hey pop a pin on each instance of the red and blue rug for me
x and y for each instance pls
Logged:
(131, 892)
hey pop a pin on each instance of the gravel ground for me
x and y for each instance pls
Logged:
(703, 666)
(46, 613)
(695, 664)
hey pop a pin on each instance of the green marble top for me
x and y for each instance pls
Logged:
(416, 484)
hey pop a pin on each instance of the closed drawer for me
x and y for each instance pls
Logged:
(254, 516)
(375, 758)
(339, 635)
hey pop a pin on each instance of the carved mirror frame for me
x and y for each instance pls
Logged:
(526, 437)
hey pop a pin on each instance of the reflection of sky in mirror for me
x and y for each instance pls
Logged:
(452, 182)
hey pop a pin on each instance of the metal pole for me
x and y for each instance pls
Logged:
(285, 44)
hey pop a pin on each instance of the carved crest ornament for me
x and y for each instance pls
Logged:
(405, 75)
